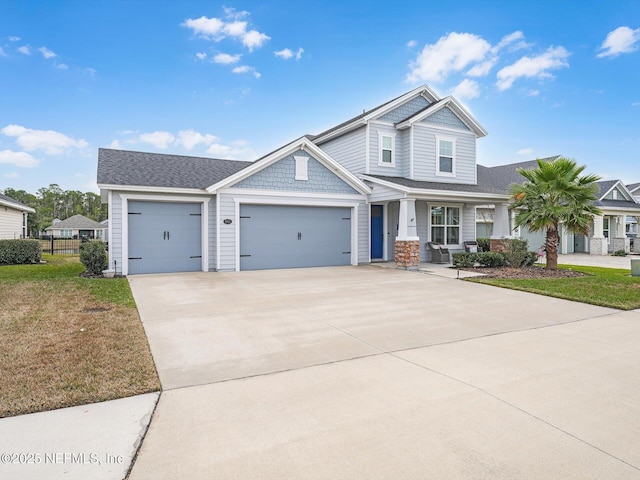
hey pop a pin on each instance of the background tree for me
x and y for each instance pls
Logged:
(553, 194)
(53, 202)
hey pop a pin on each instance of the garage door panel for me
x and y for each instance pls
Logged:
(164, 237)
(293, 236)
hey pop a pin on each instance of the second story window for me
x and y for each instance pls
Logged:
(387, 153)
(446, 157)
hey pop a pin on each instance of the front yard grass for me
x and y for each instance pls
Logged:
(67, 340)
(607, 287)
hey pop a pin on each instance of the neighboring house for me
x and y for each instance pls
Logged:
(376, 187)
(633, 222)
(77, 226)
(13, 218)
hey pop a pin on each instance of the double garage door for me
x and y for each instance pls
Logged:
(167, 237)
(164, 237)
(275, 236)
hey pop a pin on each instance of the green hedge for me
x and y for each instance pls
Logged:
(93, 255)
(15, 252)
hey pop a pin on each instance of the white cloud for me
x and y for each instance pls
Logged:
(516, 37)
(299, 53)
(533, 93)
(13, 38)
(284, 53)
(51, 142)
(482, 69)
(237, 150)
(46, 53)
(190, 138)
(620, 40)
(217, 29)
(635, 104)
(2, 53)
(91, 71)
(254, 39)
(226, 59)
(466, 89)
(231, 12)
(18, 159)
(246, 69)
(115, 144)
(158, 139)
(533, 67)
(11, 175)
(201, 56)
(525, 151)
(62, 66)
(451, 53)
(412, 44)
(25, 50)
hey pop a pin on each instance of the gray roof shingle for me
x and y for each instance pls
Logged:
(633, 186)
(124, 167)
(77, 222)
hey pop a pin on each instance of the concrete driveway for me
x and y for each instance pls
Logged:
(363, 372)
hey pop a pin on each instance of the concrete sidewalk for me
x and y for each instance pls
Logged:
(96, 441)
(367, 372)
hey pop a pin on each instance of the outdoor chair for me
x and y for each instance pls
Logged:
(439, 253)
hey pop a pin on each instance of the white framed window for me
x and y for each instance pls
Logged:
(605, 227)
(446, 157)
(445, 224)
(387, 156)
(66, 232)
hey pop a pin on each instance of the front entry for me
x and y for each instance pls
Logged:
(377, 232)
(579, 244)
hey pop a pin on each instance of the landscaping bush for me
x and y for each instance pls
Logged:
(491, 259)
(464, 259)
(516, 252)
(484, 244)
(530, 259)
(93, 256)
(620, 253)
(14, 252)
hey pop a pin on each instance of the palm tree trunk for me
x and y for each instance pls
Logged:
(551, 247)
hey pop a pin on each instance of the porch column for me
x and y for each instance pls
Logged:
(501, 228)
(598, 244)
(620, 240)
(407, 242)
(636, 241)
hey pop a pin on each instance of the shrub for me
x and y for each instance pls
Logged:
(516, 252)
(530, 259)
(484, 244)
(14, 252)
(620, 253)
(491, 259)
(464, 259)
(93, 256)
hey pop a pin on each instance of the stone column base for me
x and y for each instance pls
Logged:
(499, 244)
(407, 254)
(636, 245)
(620, 243)
(598, 246)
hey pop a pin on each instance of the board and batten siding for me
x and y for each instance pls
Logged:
(10, 223)
(348, 150)
(425, 151)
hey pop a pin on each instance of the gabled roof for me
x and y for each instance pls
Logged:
(302, 143)
(77, 222)
(456, 107)
(633, 187)
(607, 186)
(11, 203)
(502, 176)
(380, 110)
(123, 167)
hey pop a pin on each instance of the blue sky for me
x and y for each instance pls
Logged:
(239, 79)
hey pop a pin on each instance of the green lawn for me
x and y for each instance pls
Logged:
(607, 287)
(67, 340)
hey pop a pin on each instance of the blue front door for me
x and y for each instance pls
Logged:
(377, 234)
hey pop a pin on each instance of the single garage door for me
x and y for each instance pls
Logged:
(164, 237)
(274, 236)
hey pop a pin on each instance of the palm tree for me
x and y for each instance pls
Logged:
(555, 193)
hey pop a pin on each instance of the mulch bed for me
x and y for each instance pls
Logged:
(527, 272)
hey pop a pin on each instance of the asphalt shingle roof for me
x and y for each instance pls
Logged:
(9, 199)
(124, 167)
(633, 186)
(77, 222)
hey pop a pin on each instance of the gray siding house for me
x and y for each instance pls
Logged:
(13, 218)
(376, 187)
